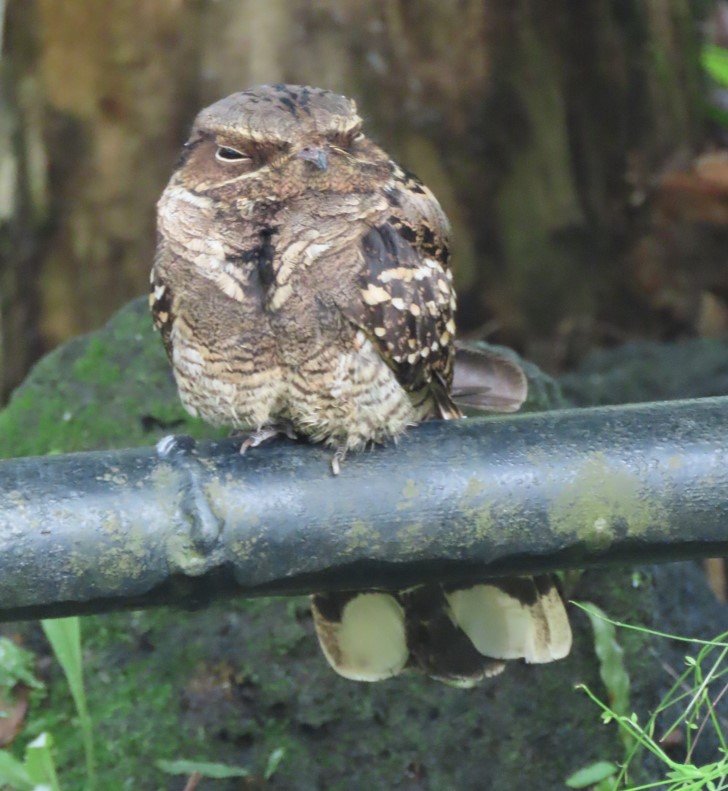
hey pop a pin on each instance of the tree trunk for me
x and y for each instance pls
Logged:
(536, 124)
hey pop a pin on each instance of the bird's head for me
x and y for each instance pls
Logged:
(278, 142)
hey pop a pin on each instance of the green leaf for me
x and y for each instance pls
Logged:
(715, 61)
(611, 660)
(611, 664)
(39, 762)
(13, 773)
(594, 773)
(16, 664)
(215, 771)
(64, 635)
(716, 114)
(274, 760)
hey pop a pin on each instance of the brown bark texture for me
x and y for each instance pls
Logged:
(540, 126)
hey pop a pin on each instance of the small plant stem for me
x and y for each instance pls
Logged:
(193, 782)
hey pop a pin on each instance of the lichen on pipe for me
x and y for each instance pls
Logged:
(459, 500)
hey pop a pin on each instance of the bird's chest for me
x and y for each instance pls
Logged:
(295, 283)
(261, 334)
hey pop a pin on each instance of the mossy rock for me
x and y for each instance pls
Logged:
(109, 389)
(644, 371)
(238, 681)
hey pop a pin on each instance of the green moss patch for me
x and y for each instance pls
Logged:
(110, 389)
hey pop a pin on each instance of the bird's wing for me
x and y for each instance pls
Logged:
(405, 298)
(486, 380)
(161, 304)
(405, 303)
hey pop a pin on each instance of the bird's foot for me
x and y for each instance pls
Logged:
(264, 434)
(338, 459)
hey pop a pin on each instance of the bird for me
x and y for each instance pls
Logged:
(302, 286)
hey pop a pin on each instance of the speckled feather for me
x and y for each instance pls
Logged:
(289, 293)
(302, 279)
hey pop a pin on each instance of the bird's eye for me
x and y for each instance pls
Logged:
(345, 140)
(227, 154)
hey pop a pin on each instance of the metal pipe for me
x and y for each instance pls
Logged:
(91, 532)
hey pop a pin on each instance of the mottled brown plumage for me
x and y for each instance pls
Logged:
(302, 282)
(288, 292)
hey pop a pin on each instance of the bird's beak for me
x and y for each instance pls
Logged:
(319, 156)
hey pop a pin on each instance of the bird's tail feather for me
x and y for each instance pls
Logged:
(458, 635)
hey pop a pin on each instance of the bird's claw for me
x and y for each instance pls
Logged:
(338, 459)
(261, 435)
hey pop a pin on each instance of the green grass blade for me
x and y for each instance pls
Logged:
(39, 762)
(589, 775)
(13, 773)
(611, 665)
(64, 635)
(204, 768)
(719, 642)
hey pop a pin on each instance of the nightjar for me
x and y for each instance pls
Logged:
(302, 285)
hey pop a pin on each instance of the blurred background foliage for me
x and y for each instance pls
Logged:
(568, 141)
